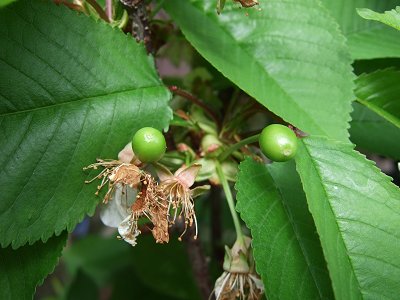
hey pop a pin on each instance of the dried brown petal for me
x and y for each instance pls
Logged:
(115, 172)
(187, 175)
(126, 174)
(126, 155)
(150, 201)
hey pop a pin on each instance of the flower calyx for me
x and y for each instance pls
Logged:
(239, 279)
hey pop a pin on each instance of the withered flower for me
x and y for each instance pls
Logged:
(239, 279)
(150, 202)
(176, 188)
(114, 173)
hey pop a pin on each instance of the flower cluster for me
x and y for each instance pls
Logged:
(160, 202)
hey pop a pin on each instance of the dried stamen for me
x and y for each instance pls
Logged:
(115, 172)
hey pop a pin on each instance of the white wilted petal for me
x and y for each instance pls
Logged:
(117, 209)
(220, 284)
(128, 230)
(258, 282)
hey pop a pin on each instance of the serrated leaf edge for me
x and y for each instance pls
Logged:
(51, 270)
(290, 218)
(373, 167)
(343, 42)
(336, 223)
(69, 226)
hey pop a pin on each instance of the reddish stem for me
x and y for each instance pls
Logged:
(109, 10)
(178, 91)
(99, 10)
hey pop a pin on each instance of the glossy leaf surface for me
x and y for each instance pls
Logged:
(288, 55)
(72, 90)
(380, 92)
(356, 210)
(25, 268)
(286, 247)
(373, 133)
(366, 39)
(390, 17)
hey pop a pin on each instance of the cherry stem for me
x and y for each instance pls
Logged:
(231, 203)
(109, 9)
(178, 91)
(237, 146)
(69, 5)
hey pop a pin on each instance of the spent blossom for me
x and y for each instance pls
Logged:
(176, 188)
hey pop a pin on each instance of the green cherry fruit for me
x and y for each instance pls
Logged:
(148, 144)
(278, 142)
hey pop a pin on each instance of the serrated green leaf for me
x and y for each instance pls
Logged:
(390, 17)
(356, 210)
(286, 247)
(288, 55)
(373, 133)
(72, 90)
(23, 269)
(380, 92)
(366, 39)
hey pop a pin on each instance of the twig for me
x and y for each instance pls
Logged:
(69, 5)
(138, 14)
(109, 9)
(199, 263)
(98, 9)
(198, 102)
(237, 146)
(77, 7)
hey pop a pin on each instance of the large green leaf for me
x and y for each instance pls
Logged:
(373, 133)
(380, 92)
(72, 89)
(289, 56)
(356, 210)
(390, 17)
(23, 269)
(286, 247)
(366, 39)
